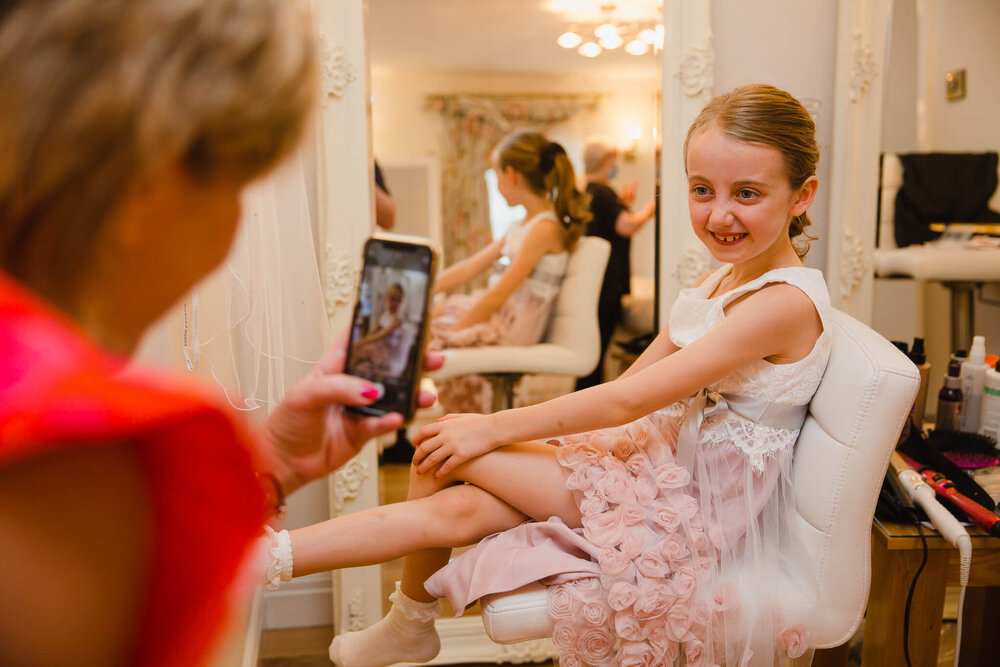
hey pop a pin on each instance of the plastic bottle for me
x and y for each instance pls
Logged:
(949, 399)
(989, 422)
(919, 357)
(973, 376)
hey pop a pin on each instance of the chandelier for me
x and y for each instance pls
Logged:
(610, 31)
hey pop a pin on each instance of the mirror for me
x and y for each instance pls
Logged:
(499, 62)
(926, 41)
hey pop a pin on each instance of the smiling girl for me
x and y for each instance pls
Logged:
(663, 524)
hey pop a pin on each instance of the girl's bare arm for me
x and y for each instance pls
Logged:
(778, 323)
(462, 272)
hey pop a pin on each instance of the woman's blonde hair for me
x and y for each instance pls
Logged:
(762, 114)
(548, 171)
(100, 94)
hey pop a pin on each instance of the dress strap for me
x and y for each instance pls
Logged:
(760, 410)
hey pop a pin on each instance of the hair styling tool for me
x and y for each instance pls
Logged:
(945, 488)
(943, 521)
(919, 448)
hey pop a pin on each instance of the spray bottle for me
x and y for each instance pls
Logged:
(973, 377)
(989, 422)
(949, 404)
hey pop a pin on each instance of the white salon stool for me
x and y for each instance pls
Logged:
(841, 457)
(571, 345)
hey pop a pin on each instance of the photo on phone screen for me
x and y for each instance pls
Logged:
(389, 328)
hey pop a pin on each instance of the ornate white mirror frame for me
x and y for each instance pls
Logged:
(345, 214)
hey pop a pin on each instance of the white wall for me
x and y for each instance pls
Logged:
(404, 131)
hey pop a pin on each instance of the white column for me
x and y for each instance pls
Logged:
(688, 65)
(862, 45)
(345, 211)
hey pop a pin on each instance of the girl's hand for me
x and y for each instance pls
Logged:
(308, 435)
(451, 441)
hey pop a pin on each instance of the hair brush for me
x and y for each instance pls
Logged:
(966, 450)
(917, 447)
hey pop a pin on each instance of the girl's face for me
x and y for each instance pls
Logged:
(740, 200)
(508, 182)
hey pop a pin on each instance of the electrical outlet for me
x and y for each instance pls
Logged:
(954, 83)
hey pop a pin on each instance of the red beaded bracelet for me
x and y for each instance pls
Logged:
(274, 493)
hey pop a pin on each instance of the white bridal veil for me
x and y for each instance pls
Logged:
(258, 323)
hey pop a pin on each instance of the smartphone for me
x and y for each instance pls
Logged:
(391, 322)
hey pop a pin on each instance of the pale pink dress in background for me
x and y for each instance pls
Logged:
(522, 320)
(694, 560)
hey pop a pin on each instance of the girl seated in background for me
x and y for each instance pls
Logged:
(663, 518)
(515, 309)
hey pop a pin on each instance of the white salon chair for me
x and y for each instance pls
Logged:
(841, 456)
(571, 345)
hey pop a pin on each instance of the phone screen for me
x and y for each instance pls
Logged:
(389, 328)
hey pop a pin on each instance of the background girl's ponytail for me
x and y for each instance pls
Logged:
(549, 172)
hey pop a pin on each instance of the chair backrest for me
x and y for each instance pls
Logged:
(574, 319)
(841, 456)
(891, 182)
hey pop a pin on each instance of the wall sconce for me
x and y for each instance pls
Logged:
(632, 145)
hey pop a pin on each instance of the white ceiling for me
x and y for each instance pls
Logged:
(495, 35)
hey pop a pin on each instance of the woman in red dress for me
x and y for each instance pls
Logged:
(129, 499)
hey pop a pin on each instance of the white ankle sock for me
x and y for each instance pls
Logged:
(406, 634)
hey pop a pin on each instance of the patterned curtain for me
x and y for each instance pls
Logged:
(473, 124)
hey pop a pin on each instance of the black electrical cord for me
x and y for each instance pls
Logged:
(913, 586)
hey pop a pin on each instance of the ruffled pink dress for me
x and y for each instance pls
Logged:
(687, 548)
(522, 320)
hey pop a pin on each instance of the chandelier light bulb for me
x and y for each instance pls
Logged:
(636, 47)
(612, 42)
(606, 31)
(569, 40)
(648, 36)
(590, 49)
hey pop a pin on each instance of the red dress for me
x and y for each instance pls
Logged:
(59, 390)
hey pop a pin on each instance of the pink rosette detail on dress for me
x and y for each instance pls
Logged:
(672, 476)
(596, 644)
(604, 529)
(636, 654)
(615, 486)
(562, 603)
(792, 638)
(627, 626)
(592, 505)
(622, 595)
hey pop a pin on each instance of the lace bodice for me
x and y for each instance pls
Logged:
(695, 313)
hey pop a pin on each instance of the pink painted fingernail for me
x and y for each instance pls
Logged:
(374, 392)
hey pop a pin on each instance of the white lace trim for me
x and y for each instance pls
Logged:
(280, 552)
(422, 612)
(756, 442)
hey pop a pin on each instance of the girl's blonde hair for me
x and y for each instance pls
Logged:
(100, 94)
(548, 171)
(762, 114)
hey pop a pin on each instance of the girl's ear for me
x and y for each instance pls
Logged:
(804, 195)
(512, 175)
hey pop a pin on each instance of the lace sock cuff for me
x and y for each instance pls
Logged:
(422, 612)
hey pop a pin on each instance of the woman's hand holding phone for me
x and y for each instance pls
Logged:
(308, 435)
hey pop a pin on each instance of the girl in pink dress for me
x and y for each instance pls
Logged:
(663, 523)
(515, 309)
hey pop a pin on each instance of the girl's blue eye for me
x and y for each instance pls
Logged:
(746, 194)
(700, 190)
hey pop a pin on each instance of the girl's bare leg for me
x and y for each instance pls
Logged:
(452, 514)
(525, 475)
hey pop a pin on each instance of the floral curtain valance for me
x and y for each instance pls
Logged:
(473, 124)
